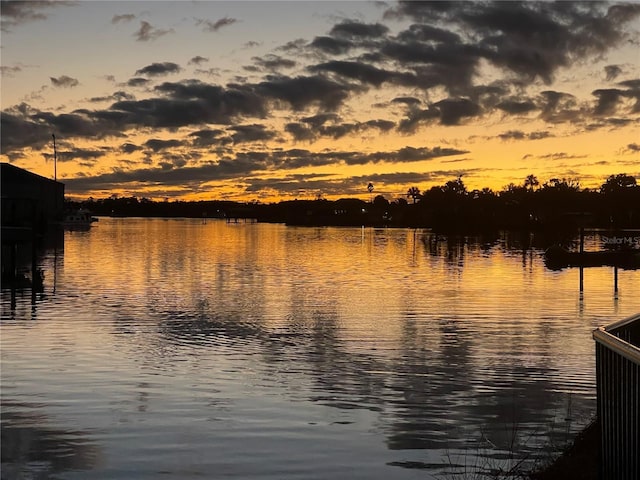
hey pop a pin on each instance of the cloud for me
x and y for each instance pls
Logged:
(126, 18)
(452, 110)
(329, 45)
(209, 26)
(417, 116)
(520, 135)
(15, 13)
(78, 154)
(633, 147)
(159, 69)
(129, 148)
(243, 166)
(273, 62)
(251, 133)
(115, 96)
(157, 145)
(350, 29)
(507, 34)
(608, 100)
(311, 128)
(355, 70)
(516, 107)
(8, 71)
(64, 82)
(148, 32)
(137, 82)
(198, 60)
(302, 92)
(612, 71)
(209, 137)
(557, 107)
(19, 132)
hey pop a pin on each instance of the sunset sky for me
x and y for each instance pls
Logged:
(270, 100)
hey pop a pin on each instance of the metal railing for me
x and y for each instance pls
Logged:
(618, 387)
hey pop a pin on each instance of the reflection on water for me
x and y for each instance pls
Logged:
(183, 349)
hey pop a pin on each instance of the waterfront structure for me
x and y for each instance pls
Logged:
(29, 200)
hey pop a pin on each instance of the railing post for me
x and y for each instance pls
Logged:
(618, 398)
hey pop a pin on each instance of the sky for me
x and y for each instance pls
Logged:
(274, 100)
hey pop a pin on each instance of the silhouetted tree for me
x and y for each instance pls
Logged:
(413, 193)
(617, 183)
(531, 182)
(380, 202)
(456, 187)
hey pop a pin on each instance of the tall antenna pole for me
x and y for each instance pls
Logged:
(55, 159)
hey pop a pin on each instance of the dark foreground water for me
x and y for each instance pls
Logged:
(173, 349)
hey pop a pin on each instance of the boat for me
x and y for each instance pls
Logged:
(79, 218)
(557, 257)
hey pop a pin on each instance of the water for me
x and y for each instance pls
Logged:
(180, 349)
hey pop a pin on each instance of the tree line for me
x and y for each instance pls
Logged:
(555, 204)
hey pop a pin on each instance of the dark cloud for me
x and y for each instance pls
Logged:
(633, 147)
(539, 135)
(350, 29)
(452, 110)
(411, 101)
(116, 96)
(273, 62)
(520, 135)
(125, 18)
(251, 133)
(222, 104)
(76, 154)
(355, 70)
(612, 71)
(159, 69)
(7, 71)
(330, 45)
(20, 132)
(210, 26)
(64, 82)
(529, 39)
(137, 82)
(631, 84)
(320, 119)
(428, 33)
(157, 145)
(311, 128)
(302, 92)
(633, 92)
(558, 107)
(129, 148)
(16, 13)
(148, 32)
(417, 116)
(208, 137)
(246, 164)
(198, 60)
(382, 125)
(512, 135)
(608, 100)
(300, 132)
(516, 107)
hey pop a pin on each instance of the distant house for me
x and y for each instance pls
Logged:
(28, 198)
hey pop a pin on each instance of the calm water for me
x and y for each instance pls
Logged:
(176, 349)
